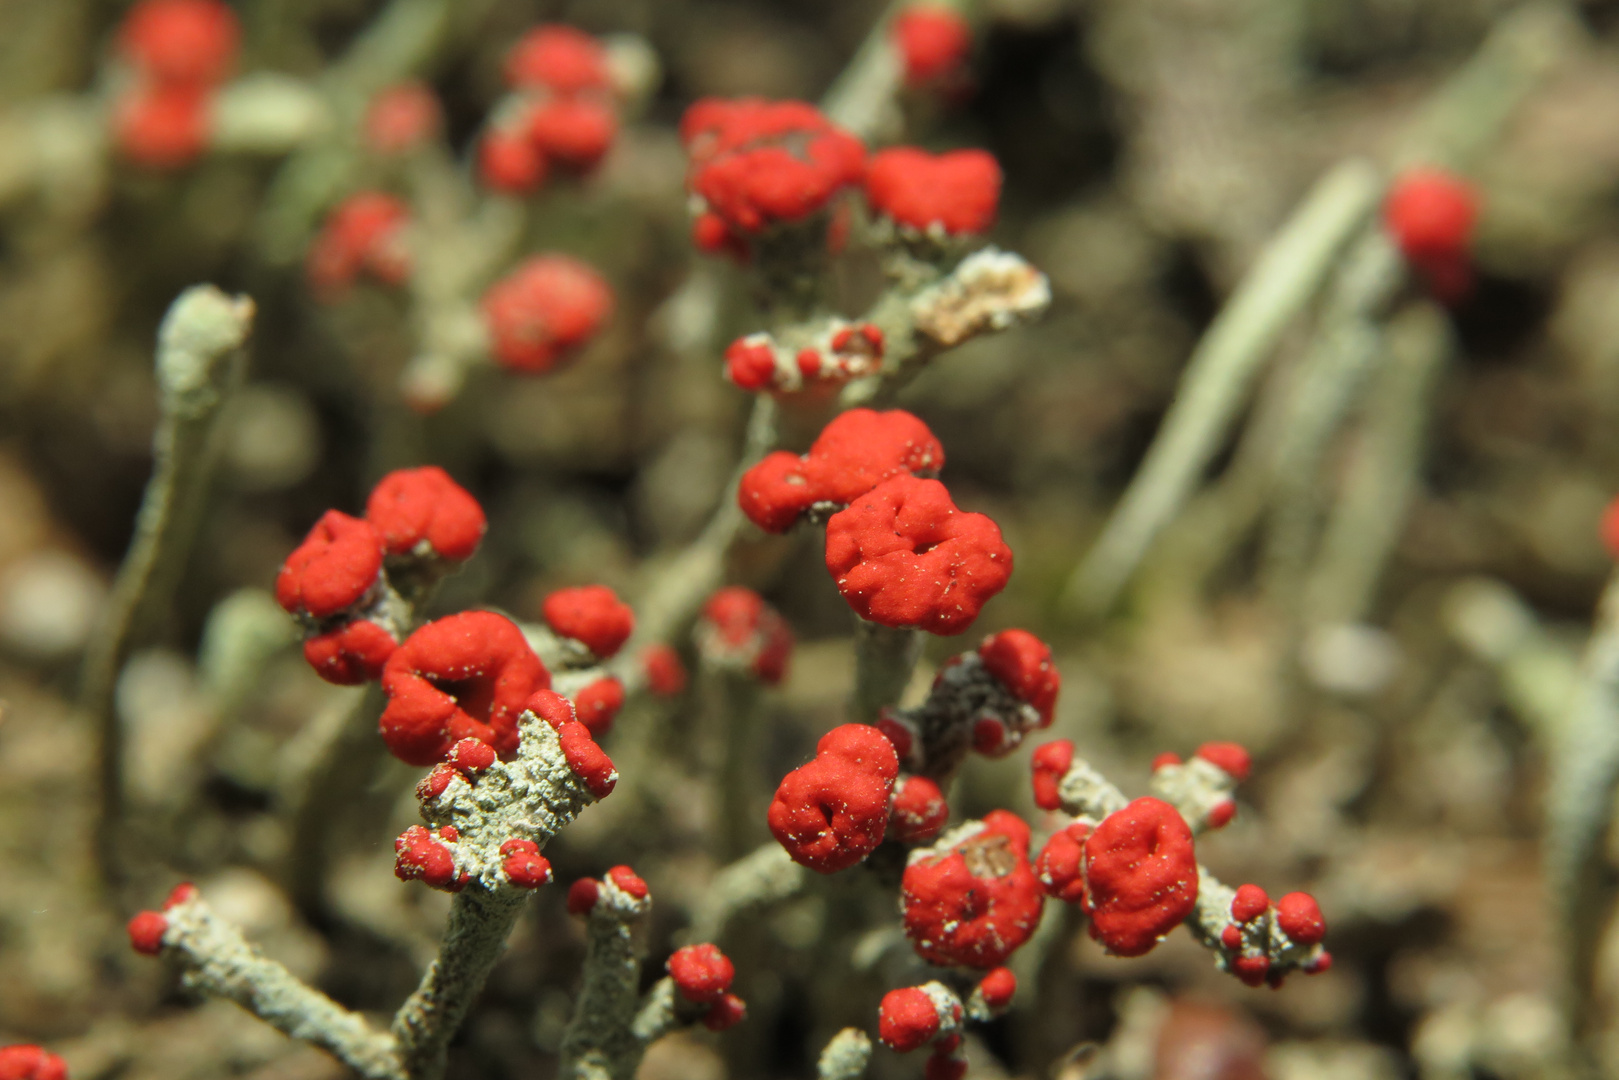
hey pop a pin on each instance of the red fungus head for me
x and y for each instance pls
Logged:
(422, 512)
(1021, 662)
(25, 1061)
(1228, 757)
(1249, 903)
(146, 932)
(332, 569)
(919, 811)
(739, 623)
(420, 856)
(574, 133)
(161, 127)
(1059, 866)
(1140, 876)
(750, 363)
(592, 615)
(558, 58)
(628, 881)
(523, 864)
(1164, 760)
(904, 555)
(907, 1019)
(832, 813)
(957, 191)
(1050, 763)
(464, 676)
(997, 988)
(582, 896)
(1300, 918)
(933, 42)
(1430, 214)
(362, 234)
(665, 672)
(973, 898)
(701, 973)
(853, 454)
(402, 117)
(509, 162)
(353, 653)
(545, 310)
(588, 761)
(189, 43)
(727, 1012)
(598, 703)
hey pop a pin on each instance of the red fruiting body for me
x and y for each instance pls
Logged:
(436, 782)
(1231, 936)
(471, 756)
(587, 760)
(525, 867)
(332, 569)
(354, 653)
(592, 615)
(189, 43)
(582, 896)
(1249, 903)
(976, 902)
(598, 703)
(907, 1019)
(831, 813)
(957, 191)
(1060, 865)
(401, 117)
(756, 163)
(853, 454)
(1228, 757)
(897, 731)
(1300, 918)
(933, 41)
(919, 811)
(424, 512)
(904, 555)
(945, 1064)
(741, 622)
(1609, 529)
(1221, 813)
(25, 1061)
(1050, 764)
(628, 881)
(464, 676)
(751, 364)
(548, 307)
(161, 127)
(421, 857)
(575, 133)
(146, 932)
(508, 161)
(1021, 662)
(1251, 969)
(701, 973)
(1430, 214)
(665, 673)
(1165, 759)
(362, 234)
(183, 893)
(1322, 962)
(559, 58)
(727, 1012)
(1140, 876)
(997, 988)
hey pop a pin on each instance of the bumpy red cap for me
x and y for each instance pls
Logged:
(1021, 662)
(559, 58)
(1050, 764)
(575, 133)
(598, 703)
(26, 1061)
(904, 555)
(523, 864)
(665, 673)
(1060, 864)
(997, 988)
(1141, 876)
(831, 813)
(1431, 214)
(701, 973)
(402, 117)
(933, 41)
(727, 1012)
(161, 127)
(907, 1019)
(628, 881)
(146, 932)
(975, 902)
(588, 761)
(464, 676)
(1249, 903)
(957, 191)
(362, 234)
(1228, 757)
(419, 856)
(333, 568)
(413, 508)
(853, 454)
(509, 161)
(582, 896)
(592, 615)
(919, 811)
(541, 312)
(741, 620)
(181, 42)
(354, 653)
(1300, 918)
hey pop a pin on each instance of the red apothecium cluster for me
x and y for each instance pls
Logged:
(180, 51)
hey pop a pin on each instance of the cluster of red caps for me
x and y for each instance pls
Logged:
(738, 629)
(25, 1061)
(179, 52)
(901, 552)
(1430, 213)
(845, 351)
(362, 235)
(560, 112)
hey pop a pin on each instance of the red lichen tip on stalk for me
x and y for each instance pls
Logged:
(336, 565)
(146, 931)
(25, 1061)
(161, 127)
(903, 555)
(1430, 214)
(1228, 757)
(354, 653)
(727, 1012)
(1140, 876)
(588, 761)
(190, 43)
(1249, 904)
(1050, 763)
(402, 117)
(582, 896)
(559, 58)
(973, 898)
(471, 757)
(957, 192)
(422, 857)
(933, 42)
(592, 615)
(1021, 662)
(701, 973)
(464, 676)
(853, 454)
(509, 162)
(183, 893)
(628, 882)
(907, 1019)
(1300, 918)
(574, 133)
(945, 1064)
(422, 512)
(543, 311)
(738, 622)
(665, 672)
(598, 703)
(1060, 865)
(997, 989)
(362, 234)
(524, 866)
(919, 811)
(1165, 760)
(832, 812)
